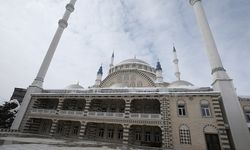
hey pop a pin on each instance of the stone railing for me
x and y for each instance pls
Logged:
(96, 114)
(9, 132)
(70, 112)
(145, 116)
(43, 111)
(106, 114)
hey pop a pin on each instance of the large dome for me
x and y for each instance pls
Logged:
(130, 73)
(133, 61)
(180, 83)
(74, 87)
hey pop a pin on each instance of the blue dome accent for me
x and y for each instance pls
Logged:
(100, 71)
(158, 66)
(174, 50)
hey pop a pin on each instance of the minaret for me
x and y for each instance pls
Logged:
(99, 77)
(62, 24)
(159, 78)
(222, 83)
(176, 61)
(112, 60)
(37, 84)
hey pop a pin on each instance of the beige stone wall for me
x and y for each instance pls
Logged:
(193, 120)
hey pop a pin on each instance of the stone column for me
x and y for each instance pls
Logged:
(60, 104)
(220, 123)
(222, 83)
(125, 133)
(53, 127)
(127, 107)
(166, 128)
(87, 106)
(82, 129)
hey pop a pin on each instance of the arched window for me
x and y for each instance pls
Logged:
(205, 108)
(181, 108)
(132, 84)
(185, 137)
(139, 84)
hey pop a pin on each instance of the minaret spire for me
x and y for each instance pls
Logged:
(37, 84)
(222, 83)
(176, 61)
(112, 60)
(62, 24)
(159, 77)
(99, 77)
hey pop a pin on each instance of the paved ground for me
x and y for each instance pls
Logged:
(22, 143)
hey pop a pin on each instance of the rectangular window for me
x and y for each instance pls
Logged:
(147, 137)
(75, 130)
(120, 134)
(101, 132)
(157, 137)
(205, 110)
(137, 136)
(181, 110)
(110, 133)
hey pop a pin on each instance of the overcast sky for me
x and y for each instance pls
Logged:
(145, 28)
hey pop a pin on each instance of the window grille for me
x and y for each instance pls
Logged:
(185, 137)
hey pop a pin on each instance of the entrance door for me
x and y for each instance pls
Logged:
(213, 142)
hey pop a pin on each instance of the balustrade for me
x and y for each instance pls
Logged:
(43, 111)
(145, 116)
(96, 114)
(106, 114)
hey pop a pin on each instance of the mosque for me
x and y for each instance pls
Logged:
(134, 105)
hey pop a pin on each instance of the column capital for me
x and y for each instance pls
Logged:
(192, 2)
(55, 120)
(61, 99)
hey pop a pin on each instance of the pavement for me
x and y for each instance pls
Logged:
(29, 143)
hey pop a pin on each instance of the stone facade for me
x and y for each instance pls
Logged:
(145, 119)
(173, 115)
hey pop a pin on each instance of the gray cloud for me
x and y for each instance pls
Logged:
(146, 28)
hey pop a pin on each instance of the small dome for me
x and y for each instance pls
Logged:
(74, 87)
(134, 60)
(180, 83)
